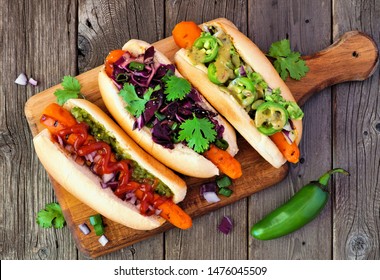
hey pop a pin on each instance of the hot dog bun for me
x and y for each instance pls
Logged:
(182, 158)
(226, 105)
(85, 185)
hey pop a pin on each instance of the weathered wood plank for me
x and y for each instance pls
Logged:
(356, 145)
(32, 43)
(204, 241)
(270, 21)
(108, 25)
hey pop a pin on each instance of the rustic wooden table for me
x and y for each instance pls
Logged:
(50, 39)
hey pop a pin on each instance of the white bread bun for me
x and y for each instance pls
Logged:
(182, 158)
(85, 185)
(226, 104)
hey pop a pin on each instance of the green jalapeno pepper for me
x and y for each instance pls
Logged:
(270, 117)
(209, 45)
(244, 90)
(215, 77)
(301, 209)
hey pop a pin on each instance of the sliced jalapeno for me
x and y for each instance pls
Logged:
(270, 118)
(215, 76)
(209, 45)
(244, 90)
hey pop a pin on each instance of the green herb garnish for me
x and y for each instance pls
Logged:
(198, 133)
(51, 216)
(71, 89)
(286, 61)
(176, 88)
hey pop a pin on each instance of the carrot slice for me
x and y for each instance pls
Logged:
(290, 151)
(111, 58)
(224, 161)
(185, 33)
(171, 212)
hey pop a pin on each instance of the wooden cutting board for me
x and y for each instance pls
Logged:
(353, 57)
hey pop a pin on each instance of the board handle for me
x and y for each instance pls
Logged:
(354, 57)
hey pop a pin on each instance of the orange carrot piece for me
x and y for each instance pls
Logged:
(185, 33)
(224, 161)
(290, 151)
(111, 58)
(171, 212)
(59, 114)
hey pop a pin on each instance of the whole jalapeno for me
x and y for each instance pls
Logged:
(209, 45)
(270, 117)
(301, 209)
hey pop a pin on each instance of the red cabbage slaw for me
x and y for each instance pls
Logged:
(163, 117)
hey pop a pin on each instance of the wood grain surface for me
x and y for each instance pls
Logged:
(49, 39)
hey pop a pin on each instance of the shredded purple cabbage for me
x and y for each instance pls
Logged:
(160, 114)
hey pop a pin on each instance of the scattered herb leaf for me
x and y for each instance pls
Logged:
(51, 216)
(286, 61)
(71, 89)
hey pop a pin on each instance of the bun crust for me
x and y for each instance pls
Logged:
(226, 104)
(70, 175)
(181, 159)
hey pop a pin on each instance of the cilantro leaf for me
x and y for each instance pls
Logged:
(176, 88)
(51, 216)
(136, 105)
(287, 62)
(198, 133)
(71, 89)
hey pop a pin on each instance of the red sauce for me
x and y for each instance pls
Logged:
(84, 144)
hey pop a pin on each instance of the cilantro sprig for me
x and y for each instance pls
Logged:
(51, 216)
(198, 133)
(286, 61)
(71, 89)
(176, 88)
(136, 105)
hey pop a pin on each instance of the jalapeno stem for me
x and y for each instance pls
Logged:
(324, 179)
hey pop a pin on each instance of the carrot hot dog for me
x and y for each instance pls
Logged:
(162, 112)
(93, 159)
(231, 72)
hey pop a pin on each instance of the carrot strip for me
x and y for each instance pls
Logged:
(290, 151)
(59, 114)
(171, 212)
(185, 33)
(111, 58)
(224, 161)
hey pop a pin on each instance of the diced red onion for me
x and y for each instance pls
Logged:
(33, 82)
(242, 71)
(287, 127)
(84, 229)
(158, 212)
(97, 158)
(108, 177)
(60, 141)
(289, 136)
(69, 148)
(211, 197)
(103, 240)
(208, 187)
(225, 225)
(21, 80)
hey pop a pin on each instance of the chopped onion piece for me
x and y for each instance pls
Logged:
(21, 80)
(287, 127)
(84, 228)
(103, 240)
(211, 197)
(225, 225)
(108, 177)
(208, 187)
(33, 82)
(290, 136)
(60, 141)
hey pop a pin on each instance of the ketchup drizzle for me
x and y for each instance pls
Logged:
(84, 144)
